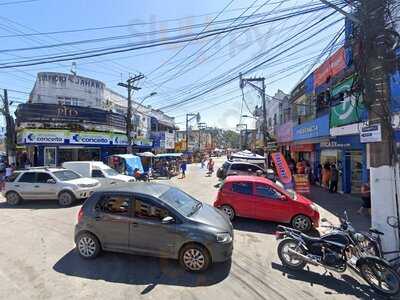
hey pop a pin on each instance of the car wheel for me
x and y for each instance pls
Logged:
(194, 258)
(229, 211)
(13, 198)
(88, 245)
(66, 199)
(302, 223)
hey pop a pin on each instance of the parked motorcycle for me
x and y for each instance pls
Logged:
(335, 251)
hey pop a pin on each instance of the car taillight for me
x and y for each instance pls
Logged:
(80, 215)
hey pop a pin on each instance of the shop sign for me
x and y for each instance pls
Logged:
(312, 129)
(395, 91)
(285, 132)
(169, 140)
(91, 138)
(37, 136)
(302, 148)
(331, 67)
(347, 112)
(346, 129)
(54, 78)
(309, 84)
(334, 145)
(371, 134)
(119, 139)
(143, 142)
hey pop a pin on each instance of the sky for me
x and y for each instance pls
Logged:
(175, 72)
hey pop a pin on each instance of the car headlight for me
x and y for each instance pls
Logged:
(224, 237)
(314, 207)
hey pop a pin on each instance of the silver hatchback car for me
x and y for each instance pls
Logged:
(155, 220)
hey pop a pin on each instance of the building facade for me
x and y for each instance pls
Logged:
(70, 117)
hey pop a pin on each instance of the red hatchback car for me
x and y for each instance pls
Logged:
(259, 198)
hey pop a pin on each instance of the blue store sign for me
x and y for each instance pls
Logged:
(312, 129)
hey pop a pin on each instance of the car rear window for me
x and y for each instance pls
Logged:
(242, 188)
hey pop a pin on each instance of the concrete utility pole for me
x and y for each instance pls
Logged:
(374, 74)
(129, 85)
(243, 82)
(10, 129)
(190, 117)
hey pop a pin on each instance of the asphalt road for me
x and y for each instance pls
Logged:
(38, 261)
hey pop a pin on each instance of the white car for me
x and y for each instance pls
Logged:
(48, 183)
(98, 170)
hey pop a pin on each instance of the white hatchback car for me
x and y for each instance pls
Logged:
(48, 183)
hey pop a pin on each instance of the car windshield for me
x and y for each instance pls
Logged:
(110, 172)
(66, 175)
(181, 201)
(291, 192)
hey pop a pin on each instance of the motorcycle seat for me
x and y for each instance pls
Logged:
(310, 239)
(376, 231)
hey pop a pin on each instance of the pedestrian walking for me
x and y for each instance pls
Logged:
(203, 163)
(210, 167)
(366, 198)
(326, 175)
(334, 179)
(319, 174)
(183, 168)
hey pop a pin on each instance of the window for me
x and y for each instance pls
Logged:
(114, 204)
(97, 173)
(12, 177)
(28, 177)
(66, 175)
(242, 188)
(43, 177)
(144, 210)
(180, 201)
(267, 192)
(255, 169)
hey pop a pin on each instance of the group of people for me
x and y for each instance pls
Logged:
(328, 176)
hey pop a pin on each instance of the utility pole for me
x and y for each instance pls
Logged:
(250, 81)
(373, 69)
(10, 129)
(129, 85)
(190, 117)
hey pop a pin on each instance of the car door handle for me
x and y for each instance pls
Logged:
(36, 186)
(16, 185)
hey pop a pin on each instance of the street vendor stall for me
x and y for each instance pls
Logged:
(125, 163)
(147, 159)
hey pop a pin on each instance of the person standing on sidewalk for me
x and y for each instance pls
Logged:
(334, 179)
(183, 168)
(366, 198)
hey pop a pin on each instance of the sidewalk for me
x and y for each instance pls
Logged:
(333, 206)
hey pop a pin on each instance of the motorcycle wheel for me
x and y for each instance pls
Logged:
(288, 260)
(380, 276)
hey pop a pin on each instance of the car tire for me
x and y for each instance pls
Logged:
(88, 246)
(66, 198)
(302, 223)
(194, 258)
(13, 198)
(229, 211)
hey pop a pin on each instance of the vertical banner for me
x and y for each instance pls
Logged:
(282, 168)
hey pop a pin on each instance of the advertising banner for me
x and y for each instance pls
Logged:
(119, 139)
(169, 140)
(282, 168)
(285, 132)
(312, 129)
(348, 112)
(331, 67)
(302, 184)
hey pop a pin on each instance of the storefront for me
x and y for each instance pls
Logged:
(349, 155)
(52, 147)
(284, 137)
(305, 138)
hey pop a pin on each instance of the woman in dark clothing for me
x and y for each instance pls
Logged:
(366, 198)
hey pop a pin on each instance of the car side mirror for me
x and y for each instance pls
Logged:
(51, 181)
(283, 198)
(168, 220)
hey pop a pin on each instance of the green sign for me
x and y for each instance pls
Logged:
(347, 112)
(342, 87)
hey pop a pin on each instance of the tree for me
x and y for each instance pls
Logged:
(230, 139)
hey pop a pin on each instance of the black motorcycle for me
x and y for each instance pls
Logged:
(335, 251)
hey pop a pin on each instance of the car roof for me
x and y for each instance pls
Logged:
(152, 189)
(241, 162)
(239, 178)
(42, 169)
